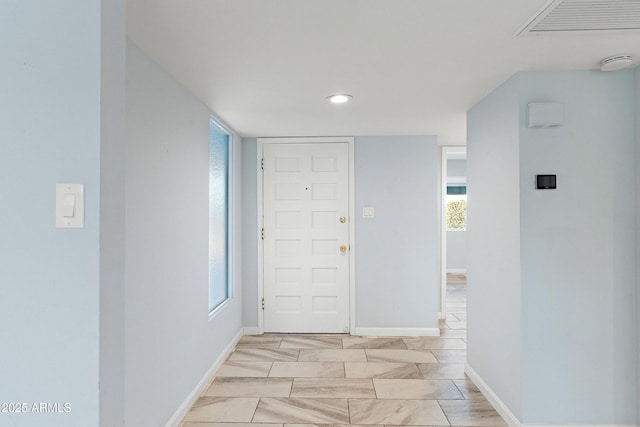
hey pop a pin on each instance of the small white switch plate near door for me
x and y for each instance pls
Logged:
(368, 212)
(69, 206)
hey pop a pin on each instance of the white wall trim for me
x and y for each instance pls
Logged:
(457, 270)
(492, 397)
(183, 409)
(506, 413)
(579, 425)
(352, 235)
(397, 332)
(260, 220)
(251, 330)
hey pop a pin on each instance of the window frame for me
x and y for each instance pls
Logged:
(230, 172)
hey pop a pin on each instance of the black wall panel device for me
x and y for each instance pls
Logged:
(545, 182)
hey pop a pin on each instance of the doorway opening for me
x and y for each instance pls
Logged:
(453, 249)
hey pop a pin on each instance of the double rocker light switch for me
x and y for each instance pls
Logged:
(69, 206)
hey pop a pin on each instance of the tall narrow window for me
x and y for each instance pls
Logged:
(218, 217)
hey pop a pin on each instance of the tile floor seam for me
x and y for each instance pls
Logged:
(464, 396)
(445, 414)
(255, 410)
(375, 390)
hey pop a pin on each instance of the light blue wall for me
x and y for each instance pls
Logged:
(250, 232)
(637, 332)
(456, 169)
(397, 252)
(170, 340)
(577, 272)
(456, 250)
(578, 251)
(493, 243)
(50, 112)
(112, 224)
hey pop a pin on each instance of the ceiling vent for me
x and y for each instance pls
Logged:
(565, 16)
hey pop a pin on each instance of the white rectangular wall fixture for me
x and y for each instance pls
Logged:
(544, 114)
(368, 212)
(69, 206)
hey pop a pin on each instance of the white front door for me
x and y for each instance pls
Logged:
(306, 237)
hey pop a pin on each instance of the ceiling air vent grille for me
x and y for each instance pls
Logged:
(584, 15)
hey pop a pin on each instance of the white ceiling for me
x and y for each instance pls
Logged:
(413, 66)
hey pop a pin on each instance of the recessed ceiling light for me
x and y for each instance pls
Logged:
(339, 98)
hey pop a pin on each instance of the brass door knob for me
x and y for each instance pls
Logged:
(343, 219)
(343, 248)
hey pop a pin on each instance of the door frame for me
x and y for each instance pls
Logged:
(446, 149)
(261, 142)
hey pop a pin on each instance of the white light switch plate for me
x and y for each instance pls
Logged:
(69, 206)
(368, 212)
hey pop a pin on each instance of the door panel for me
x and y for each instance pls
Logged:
(306, 274)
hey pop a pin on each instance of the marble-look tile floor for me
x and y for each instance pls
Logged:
(282, 380)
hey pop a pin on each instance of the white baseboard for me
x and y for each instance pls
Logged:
(397, 332)
(251, 330)
(579, 425)
(457, 270)
(507, 415)
(493, 398)
(204, 382)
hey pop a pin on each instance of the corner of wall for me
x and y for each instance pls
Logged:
(249, 233)
(493, 243)
(112, 213)
(637, 122)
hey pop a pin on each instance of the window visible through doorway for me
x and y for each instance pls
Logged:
(219, 185)
(456, 207)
